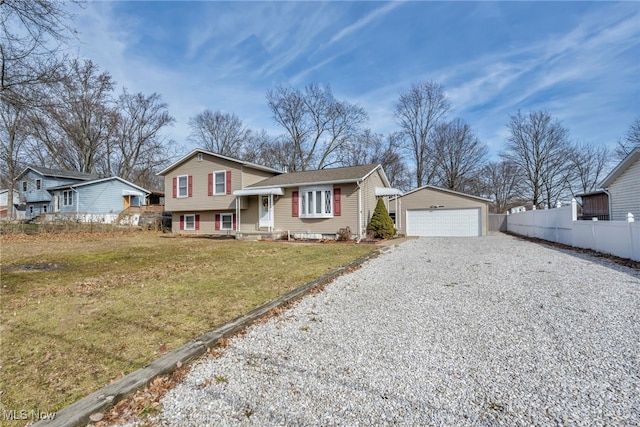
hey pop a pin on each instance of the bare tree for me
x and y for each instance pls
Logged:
(538, 145)
(459, 156)
(137, 148)
(589, 162)
(220, 133)
(79, 119)
(372, 148)
(317, 125)
(32, 34)
(13, 141)
(630, 141)
(501, 182)
(417, 112)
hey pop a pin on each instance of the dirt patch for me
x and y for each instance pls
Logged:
(43, 266)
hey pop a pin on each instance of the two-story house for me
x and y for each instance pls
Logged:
(213, 194)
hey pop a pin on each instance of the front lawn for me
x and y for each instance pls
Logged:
(80, 310)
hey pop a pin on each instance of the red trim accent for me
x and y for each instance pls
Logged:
(210, 187)
(217, 221)
(175, 187)
(228, 186)
(295, 206)
(197, 222)
(234, 222)
(190, 190)
(181, 222)
(337, 203)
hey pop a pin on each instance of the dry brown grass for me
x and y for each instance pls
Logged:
(92, 307)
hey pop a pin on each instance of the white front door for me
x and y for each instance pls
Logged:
(266, 211)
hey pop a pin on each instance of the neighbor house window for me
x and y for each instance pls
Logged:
(316, 202)
(38, 184)
(44, 208)
(24, 185)
(183, 186)
(67, 198)
(220, 182)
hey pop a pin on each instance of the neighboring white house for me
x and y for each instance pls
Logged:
(623, 187)
(7, 205)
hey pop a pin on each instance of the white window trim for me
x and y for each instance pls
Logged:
(222, 216)
(224, 183)
(303, 209)
(186, 188)
(67, 198)
(193, 228)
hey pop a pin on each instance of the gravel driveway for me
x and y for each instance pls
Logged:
(437, 331)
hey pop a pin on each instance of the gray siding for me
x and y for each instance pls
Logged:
(625, 194)
(34, 195)
(104, 197)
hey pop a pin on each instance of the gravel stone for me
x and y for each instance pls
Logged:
(437, 331)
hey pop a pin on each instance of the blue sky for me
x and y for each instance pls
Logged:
(580, 61)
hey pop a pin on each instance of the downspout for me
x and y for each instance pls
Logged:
(237, 215)
(606, 191)
(359, 210)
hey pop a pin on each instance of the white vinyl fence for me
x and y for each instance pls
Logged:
(619, 238)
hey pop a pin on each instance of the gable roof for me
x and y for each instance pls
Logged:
(96, 181)
(622, 166)
(321, 176)
(220, 156)
(444, 190)
(59, 173)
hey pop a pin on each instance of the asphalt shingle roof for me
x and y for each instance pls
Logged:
(349, 173)
(65, 174)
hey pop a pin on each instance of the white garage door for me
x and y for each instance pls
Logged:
(443, 222)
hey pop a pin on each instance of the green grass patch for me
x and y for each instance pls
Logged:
(78, 312)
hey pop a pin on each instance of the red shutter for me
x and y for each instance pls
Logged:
(190, 190)
(197, 222)
(337, 205)
(211, 184)
(294, 204)
(175, 187)
(228, 186)
(217, 221)
(234, 222)
(181, 222)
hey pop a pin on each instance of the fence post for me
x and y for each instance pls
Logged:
(574, 210)
(630, 217)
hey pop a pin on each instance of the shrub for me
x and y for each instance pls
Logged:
(344, 234)
(381, 224)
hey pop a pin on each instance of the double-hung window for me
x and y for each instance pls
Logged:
(189, 222)
(38, 184)
(67, 198)
(183, 186)
(226, 222)
(316, 202)
(220, 182)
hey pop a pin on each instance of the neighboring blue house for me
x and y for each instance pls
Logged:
(85, 197)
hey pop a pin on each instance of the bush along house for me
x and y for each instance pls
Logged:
(208, 193)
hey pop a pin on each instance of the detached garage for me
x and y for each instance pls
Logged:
(433, 211)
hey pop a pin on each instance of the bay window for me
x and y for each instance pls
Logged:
(316, 202)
